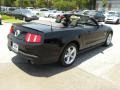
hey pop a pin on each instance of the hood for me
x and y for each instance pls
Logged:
(112, 17)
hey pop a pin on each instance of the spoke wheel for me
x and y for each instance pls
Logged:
(69, 55)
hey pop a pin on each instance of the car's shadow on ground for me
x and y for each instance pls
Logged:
(53, 69)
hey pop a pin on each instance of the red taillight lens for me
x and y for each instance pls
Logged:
(33, 38)
(12, 29)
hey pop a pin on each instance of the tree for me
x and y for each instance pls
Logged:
(104, 3)
(92, 4)
(64, 4)
(82, 4)
(59, 4)
(40, 3)
(1, 2)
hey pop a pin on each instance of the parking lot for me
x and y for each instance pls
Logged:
(97, 69)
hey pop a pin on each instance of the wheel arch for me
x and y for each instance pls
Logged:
(70, 42)
(110, 32)
(76, 43)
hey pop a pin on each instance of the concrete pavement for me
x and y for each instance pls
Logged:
(97, 69)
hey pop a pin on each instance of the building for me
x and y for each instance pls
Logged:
(111, 5)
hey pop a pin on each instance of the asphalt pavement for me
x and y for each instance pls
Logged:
(97, 69)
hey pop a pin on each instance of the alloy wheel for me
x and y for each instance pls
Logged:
(70, 55)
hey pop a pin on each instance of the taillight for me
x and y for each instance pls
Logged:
(33, 38)
(12, 29)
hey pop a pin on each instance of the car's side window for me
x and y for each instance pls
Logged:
(81, 21)
(74, 20)
(85, 21)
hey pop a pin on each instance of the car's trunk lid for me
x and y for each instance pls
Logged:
(35, 26)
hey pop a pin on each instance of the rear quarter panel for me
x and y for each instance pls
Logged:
(63, 36)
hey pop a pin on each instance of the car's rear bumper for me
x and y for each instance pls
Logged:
(45, 59)
(43, 54)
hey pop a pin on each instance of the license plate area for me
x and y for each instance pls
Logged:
(15, 47)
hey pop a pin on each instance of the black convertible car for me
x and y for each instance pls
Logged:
(44, 43)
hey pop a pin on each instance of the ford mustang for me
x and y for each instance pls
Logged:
(57, 42)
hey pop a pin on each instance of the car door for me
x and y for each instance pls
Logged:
(92, 33)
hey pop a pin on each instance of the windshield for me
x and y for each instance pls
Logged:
(28, 12)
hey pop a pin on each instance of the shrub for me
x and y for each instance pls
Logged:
(4, 17)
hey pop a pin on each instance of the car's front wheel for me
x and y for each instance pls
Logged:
(69, 54)
(108, 40)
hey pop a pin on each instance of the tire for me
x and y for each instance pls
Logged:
(108, 40)
(117, 22)
(68, 55)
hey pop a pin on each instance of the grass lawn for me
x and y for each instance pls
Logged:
(12, 21)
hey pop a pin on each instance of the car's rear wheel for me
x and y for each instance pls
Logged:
(108, 39)
(69, 54)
